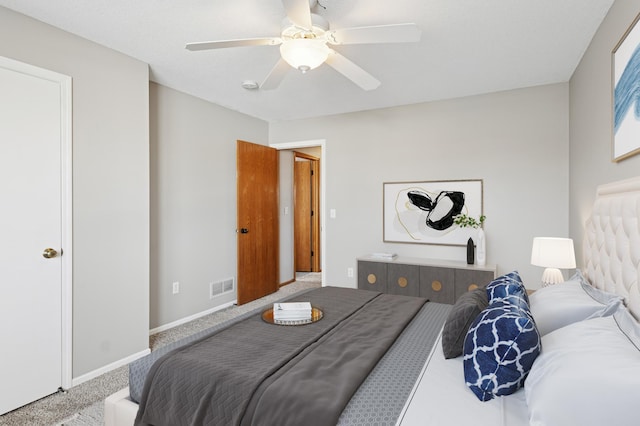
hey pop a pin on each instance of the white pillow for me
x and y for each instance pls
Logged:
(587, 374)
(562, 304)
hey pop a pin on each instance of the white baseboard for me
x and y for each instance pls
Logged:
(102, 370)
(190, 318)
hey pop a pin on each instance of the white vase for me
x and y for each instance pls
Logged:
(481, 253)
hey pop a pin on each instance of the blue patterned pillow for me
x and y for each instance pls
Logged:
(508, 288)
(499, 349)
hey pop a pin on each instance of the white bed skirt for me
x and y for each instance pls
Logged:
(119, 410)
(441, 398)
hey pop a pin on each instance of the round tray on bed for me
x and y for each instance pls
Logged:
(316, 315)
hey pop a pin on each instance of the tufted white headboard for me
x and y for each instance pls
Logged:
(612, 241)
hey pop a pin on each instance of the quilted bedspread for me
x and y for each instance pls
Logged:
(255, 373)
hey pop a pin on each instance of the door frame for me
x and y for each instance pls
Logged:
(323, 187)
(66, 189)
(315, 207)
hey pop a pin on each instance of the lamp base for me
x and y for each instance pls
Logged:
(551, 276)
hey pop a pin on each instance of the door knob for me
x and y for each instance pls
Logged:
(244, 231)
(49, 253)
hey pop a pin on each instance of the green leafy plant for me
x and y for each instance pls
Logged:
(464, 221)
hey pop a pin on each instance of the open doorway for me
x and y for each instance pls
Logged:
(288, 151)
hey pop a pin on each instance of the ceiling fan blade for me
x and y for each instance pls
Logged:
(207, 45)
(353, 72)
(276, 75)
(395, 33)
(298, 13)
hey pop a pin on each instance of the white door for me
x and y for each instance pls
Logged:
(31, 213)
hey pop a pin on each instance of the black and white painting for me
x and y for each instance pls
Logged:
(626, 96)
(423, 212)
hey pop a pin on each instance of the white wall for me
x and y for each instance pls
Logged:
(193, 200)
(591, 112)
(110, 187)
(516, 141)
(287, 246)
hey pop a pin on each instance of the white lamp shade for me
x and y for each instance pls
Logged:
(304, 54)
(553, 253)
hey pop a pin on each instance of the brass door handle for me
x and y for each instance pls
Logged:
(49, 253)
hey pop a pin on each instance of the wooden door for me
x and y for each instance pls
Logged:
(31, 146)
(258, 244)
(302, 211)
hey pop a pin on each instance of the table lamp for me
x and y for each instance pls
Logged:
(553, 254)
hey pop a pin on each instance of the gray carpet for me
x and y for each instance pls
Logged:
(83, 405)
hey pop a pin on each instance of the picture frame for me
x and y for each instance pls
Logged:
(626, 99)
(421, 212)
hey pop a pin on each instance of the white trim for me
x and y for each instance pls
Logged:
(67, 228)
(109, 367)
(323, 187)
(190, 318)
(66, 185)
(300, 144)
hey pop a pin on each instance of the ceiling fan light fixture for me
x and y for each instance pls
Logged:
(304, 54)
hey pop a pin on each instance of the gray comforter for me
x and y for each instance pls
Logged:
(254, 373)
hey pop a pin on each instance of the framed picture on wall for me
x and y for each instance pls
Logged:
(626, 94)
(423, 212)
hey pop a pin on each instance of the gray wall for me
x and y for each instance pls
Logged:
(193, 200)
(110, 186)
(516, 141)
(287, 266)
(535, 149)
(590, 88)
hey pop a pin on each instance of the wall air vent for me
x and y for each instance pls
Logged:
(219, 288)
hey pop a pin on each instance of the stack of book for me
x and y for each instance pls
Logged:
(387, 256)
(292, 311)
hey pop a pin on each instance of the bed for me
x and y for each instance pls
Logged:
(566, 354)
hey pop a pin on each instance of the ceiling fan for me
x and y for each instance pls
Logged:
(305, 39)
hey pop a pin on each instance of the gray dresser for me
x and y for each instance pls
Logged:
(440, 281)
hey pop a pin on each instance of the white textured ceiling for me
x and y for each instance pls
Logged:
(467, 47)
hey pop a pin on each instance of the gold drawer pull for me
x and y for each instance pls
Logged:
(436, 285)
(402, 282)
(372, 278)
(472, 287)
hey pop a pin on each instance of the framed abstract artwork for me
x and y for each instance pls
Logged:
(626, 94)
(423, 212)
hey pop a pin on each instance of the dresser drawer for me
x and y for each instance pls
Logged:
(403, 279)
(467, 280)
(437, 284)
(372, 276)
